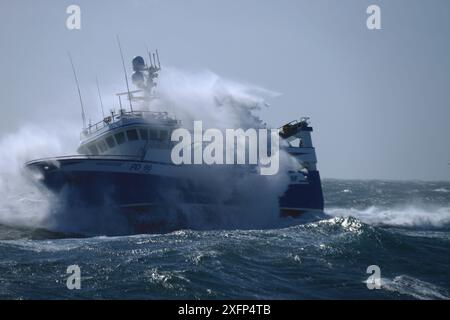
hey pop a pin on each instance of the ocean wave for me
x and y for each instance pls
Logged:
(324, 259)
(408, 216)
(416, 288)
(442, 190)
(338, 225)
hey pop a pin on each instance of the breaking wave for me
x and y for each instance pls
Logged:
(324, 259)
(24, 203)
(405, 216)
(223, 104)
(415, 288)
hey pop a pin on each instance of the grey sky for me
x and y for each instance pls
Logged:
(379, 100)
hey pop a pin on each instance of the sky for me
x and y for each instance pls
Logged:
(379, 100)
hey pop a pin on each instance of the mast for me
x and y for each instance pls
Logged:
(125, 73)
(157, 57)
(83, 115)
(100, 97)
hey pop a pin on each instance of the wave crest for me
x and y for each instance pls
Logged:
(416, 288)
(408, 216)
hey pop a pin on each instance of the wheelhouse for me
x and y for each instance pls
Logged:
(129, 133)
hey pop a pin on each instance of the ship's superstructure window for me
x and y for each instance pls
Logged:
(153, 134)
(102, 146)
(144, 134)
(93, 149)
(110, 141)
(132, 135)
(120, 137)
(163, 134)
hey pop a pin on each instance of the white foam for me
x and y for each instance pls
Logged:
(222, 104)
(442, 190)
(416, 288)
(406, 216)
(24, 203)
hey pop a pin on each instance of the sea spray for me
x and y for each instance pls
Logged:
(391, 203)
(406, 215)
(218, 102)
(23, 202)
(223, 104)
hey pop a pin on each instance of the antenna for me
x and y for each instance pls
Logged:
(150, 57)
(100, 97)
(83, 116)
(157, 56)
(154, 60)
(125, 73)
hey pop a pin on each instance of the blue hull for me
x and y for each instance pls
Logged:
(303, 197)
(136, 193)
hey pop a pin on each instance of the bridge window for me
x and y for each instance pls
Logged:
(102, 146)
(110, 141)
(93, 149)
(153, 134)
(120, 137)
(163, 135)
(132, 135)
(144, 134)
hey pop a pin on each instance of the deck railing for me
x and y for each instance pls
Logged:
(122, 114)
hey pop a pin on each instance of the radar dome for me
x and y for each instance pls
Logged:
(138, 63)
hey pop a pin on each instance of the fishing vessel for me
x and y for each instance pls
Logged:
(125, 159)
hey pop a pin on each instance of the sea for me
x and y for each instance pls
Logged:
(376, 240)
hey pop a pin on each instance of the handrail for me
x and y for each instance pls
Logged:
(92, 128)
